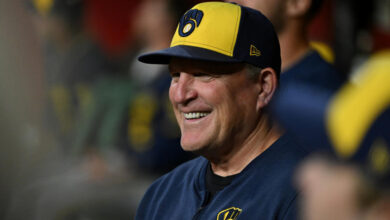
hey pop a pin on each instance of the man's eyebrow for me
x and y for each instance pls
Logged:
(174, 74)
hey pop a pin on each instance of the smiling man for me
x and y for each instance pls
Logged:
(224, 60)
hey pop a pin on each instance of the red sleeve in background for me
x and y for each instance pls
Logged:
(110, 23)
(320, 28)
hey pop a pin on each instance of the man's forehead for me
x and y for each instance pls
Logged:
(190, 65)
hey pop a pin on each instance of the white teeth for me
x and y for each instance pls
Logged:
(195, 115)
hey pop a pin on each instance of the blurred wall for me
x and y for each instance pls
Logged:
(21, 91)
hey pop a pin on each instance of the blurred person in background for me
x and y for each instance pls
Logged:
(73, 64)
(300, 62)
(366, 176)
(352, 180)
(88, 93)
(87, 86)
(153, 135)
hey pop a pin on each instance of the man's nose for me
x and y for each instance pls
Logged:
(184, 91)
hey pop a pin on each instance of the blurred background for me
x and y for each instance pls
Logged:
(84, 127)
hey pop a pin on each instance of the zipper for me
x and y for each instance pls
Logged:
(205, 202)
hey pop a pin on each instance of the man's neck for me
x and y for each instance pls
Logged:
(236, 160)
(294, 44)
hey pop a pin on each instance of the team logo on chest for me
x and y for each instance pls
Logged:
(189, 22)
(229, 214)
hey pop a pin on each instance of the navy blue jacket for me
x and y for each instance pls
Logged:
(314, 71)
(263, 190)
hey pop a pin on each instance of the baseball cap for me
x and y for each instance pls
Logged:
(222, 32)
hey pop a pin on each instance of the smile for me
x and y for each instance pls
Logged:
(195, 115)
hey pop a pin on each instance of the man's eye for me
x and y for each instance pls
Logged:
(203, 76)
(175, 75)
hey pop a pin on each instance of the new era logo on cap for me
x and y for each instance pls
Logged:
(253, 51)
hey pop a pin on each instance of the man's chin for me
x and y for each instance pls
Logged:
(193, 148)
(190, 148)
(202, 150)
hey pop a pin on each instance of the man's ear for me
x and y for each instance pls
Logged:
(298, 8)
(268, 83)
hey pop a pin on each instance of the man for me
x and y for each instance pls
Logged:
(300, 63)
(224, 61)
(355, 184)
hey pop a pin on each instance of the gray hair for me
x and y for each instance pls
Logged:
(253, 71)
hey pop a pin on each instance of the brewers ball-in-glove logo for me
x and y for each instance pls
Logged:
(229, 214)
(189, 22)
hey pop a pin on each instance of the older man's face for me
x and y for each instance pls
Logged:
(214, 104)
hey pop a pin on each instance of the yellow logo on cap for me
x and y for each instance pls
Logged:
(190, 20)
(209, 25)
(254, 51)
